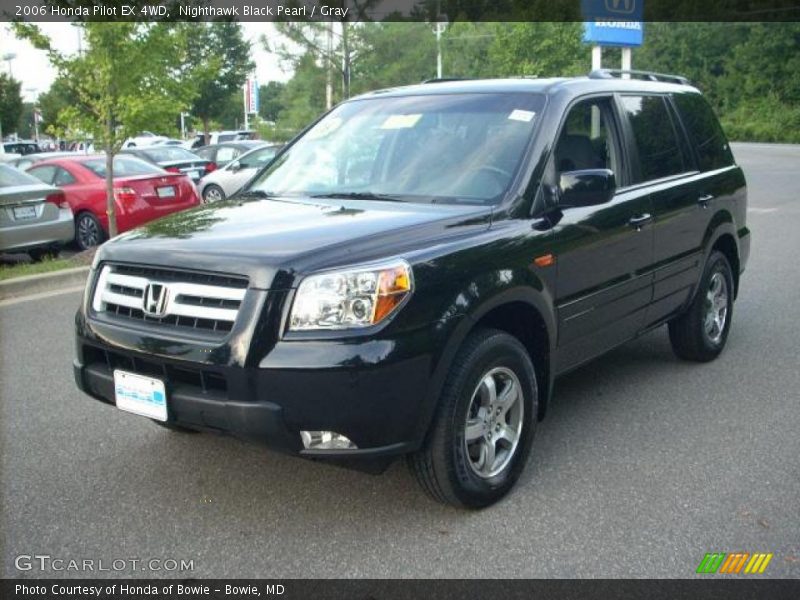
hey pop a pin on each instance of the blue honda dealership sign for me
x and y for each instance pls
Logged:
(613, 22)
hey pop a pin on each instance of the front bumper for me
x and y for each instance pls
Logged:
(372, 391)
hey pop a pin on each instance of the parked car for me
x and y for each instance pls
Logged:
(222, 154)
(142, 192)
(34, 217)
(23, 162)
(228, 180)
(22, 147)
(175, 160)
(411, 274)
(218, 137)
(146, 138)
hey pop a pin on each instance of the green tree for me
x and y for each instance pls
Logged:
(303, 97)
(269, 100)
(218, 62)
(10, 104)
(60, 96)
(125, 80)
(393, 53)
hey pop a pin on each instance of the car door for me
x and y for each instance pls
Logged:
(602, 253)
(665, 167)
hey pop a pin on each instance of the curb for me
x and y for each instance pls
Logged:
(46, 282)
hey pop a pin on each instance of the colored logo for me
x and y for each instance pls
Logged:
(624, 7)
(734, 563)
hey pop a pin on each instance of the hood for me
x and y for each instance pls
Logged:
(270, 240)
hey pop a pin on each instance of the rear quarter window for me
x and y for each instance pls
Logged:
(704, 131)
(657, 141)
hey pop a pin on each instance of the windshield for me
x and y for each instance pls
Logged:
(430, 148)
(124, 166)
(168, 153)
(10, 176)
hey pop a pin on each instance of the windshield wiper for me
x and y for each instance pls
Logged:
(253, 194)
(358, 196)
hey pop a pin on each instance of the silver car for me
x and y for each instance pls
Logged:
(34, 217)
(228, 180)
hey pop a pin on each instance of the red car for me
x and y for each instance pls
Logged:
(143, 192)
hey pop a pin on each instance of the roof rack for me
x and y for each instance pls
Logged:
(645, 75)
(446, 79)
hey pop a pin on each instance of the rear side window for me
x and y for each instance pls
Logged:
(63, 177)
(656, 139)
(44, 174)
(712, 148)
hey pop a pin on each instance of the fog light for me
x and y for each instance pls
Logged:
(326, 440)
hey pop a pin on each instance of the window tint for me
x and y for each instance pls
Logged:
(45, 173)
(660, 153)
(207, 152)
(704, 130)
(63, 177)
(586, 140)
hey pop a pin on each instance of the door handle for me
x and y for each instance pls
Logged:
(704, 200)
(639, 221)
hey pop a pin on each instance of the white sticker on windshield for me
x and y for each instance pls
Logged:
(325, 127)
(400, 121)
(526, 116)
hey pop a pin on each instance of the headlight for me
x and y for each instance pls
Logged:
(351, 298)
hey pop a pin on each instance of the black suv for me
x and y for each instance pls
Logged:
(410, 274)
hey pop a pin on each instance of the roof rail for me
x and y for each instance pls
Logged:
(645, 75)
(446, 79)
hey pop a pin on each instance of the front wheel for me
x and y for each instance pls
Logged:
(213, 193)
(700, 333)
(484, 427)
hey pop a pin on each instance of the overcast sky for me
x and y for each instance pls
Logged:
(32, 67)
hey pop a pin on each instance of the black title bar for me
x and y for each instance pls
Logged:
(395, 10)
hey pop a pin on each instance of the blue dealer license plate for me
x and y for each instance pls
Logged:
(142, 395)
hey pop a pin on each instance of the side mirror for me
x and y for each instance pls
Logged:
(588, 187)
(235, 165)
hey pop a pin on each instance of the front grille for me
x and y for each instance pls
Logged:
(203, 303)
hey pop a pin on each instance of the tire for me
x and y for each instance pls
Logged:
(213, 193)
(700, 333)
(88, 231)
(174, 427)
(40, 254)
(455, 471)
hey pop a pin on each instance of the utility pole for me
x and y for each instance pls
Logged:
(329, 68)
(441, 22)
(246, 122)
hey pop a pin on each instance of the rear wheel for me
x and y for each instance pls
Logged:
(213, 193)
(88, 231)
(700, 333)
(40, 254)
(484, 428)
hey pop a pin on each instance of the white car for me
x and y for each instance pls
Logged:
(147, 138)
(228, 180)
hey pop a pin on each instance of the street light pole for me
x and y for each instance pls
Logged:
(8, 57)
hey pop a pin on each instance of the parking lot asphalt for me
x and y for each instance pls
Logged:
(643, 464)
